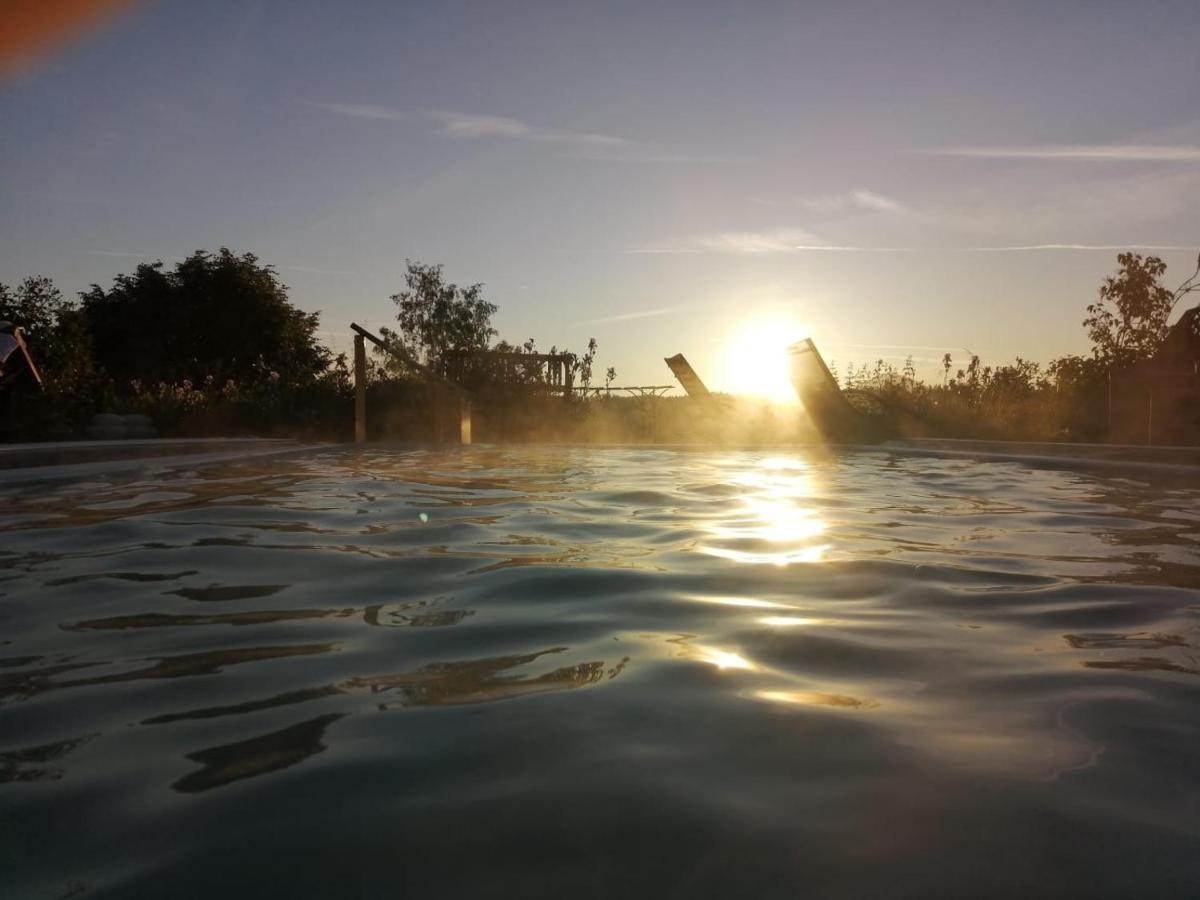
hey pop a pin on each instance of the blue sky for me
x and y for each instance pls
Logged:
(895, 177)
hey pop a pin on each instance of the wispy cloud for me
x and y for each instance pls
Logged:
(795, 240)
(641, 314)
(856, 200)
(473, 126)
(775, 240)
(362, 111)
(1100, 152)
(1018, 248)
(587, 145)
(632, 152)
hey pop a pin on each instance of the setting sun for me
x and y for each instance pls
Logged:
(754, 362)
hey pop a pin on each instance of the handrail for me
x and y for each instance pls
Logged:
(407, 358)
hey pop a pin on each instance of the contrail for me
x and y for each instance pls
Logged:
(644, 314)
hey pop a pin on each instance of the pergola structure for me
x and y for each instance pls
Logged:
(552, 372)
(634, 390)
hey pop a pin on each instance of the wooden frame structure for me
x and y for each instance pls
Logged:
(551, 372)
(633, 390)
(452, 394)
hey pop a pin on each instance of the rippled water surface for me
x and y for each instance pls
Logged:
(524, 672)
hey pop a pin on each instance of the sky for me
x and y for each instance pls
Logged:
(889, 178)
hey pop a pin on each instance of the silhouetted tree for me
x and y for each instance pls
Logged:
(35, 305)
(437, 317)
(1129, 321)
(61, 348)
(219, 316)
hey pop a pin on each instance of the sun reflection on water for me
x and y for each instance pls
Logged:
(722, 659)
(750, 602)
(788, 621)
(774, 509)
(817, 698)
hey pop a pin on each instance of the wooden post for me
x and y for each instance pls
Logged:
(360, 389)
(464, 420)
(1150, 420)
(1110, 427)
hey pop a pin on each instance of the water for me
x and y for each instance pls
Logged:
(610, 672)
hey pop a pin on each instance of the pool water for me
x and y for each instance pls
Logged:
(622, 672)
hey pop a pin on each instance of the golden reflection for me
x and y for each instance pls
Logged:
(775, 510)
(781, 462)
(782, 558)
(714, 656)
(741, 601)
(788, 621)
(723, 659)
(816, 698)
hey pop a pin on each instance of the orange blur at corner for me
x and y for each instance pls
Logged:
(29, 28)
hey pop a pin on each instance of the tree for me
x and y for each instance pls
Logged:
(1129, 321)
(54, 329)
(437, 317)
(35, 305)
(61, 348)
(218, 315)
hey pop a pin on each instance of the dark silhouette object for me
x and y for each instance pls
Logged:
(220, 315)
(552, 372)
(451, 398)
(18, 375)
(1129, 321)
(687, 376)
(437, 316)
(15, 360)
(1157, 401)
(630, 390)
(836, 417)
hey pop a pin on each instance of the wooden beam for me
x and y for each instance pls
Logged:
(360, 389)
(687, 376)
(407, 358)
(464, 421)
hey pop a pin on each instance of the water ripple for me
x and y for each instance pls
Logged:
(713, 673)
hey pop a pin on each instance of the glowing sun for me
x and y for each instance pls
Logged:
(754, 360)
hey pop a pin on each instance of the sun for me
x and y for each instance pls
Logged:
(754, 360)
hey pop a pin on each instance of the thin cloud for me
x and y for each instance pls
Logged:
(474, 127)
(857, 200)
(1100, 152)
(794, 240)
(631, 152)
(778, 240)
(1016, 248)
(643, 314)
(362, 111)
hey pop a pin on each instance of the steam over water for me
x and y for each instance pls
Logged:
(525, 672)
